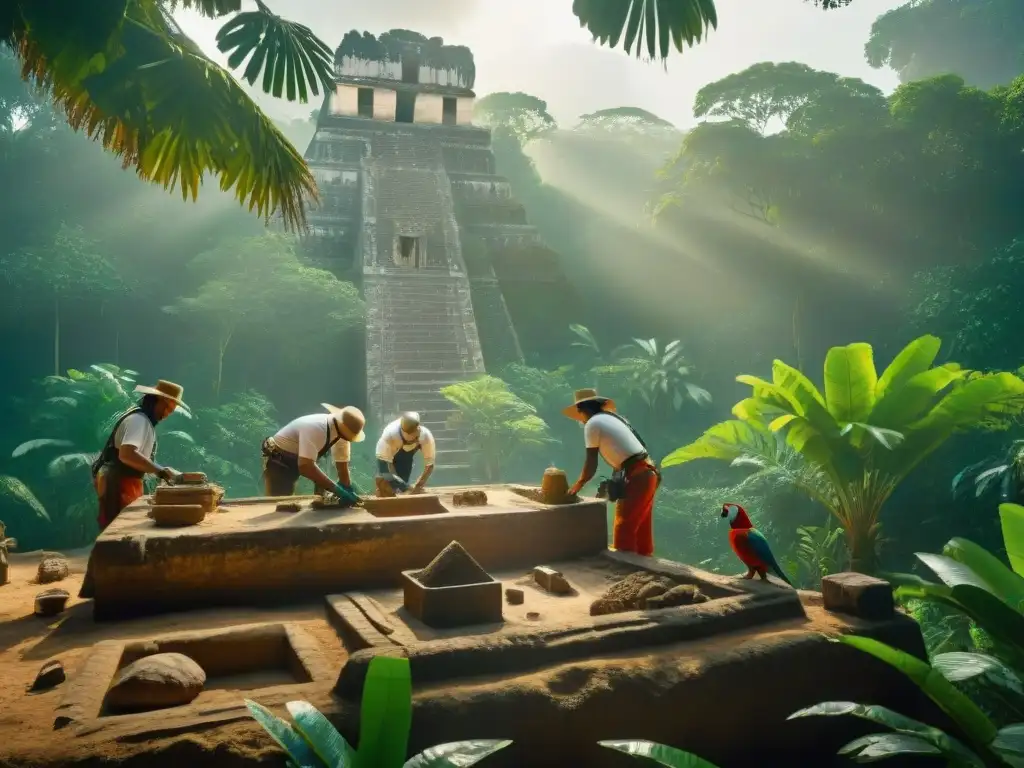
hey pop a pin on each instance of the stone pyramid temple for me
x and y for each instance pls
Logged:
(411, 210)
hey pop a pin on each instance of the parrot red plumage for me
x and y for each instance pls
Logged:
(750, 545)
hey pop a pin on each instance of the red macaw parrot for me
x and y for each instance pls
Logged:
(750, 545)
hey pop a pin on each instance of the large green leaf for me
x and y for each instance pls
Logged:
(1009, 742)
(915, 358)
(952, 573)
(329, 745)
(1003, 582)
(878, 746)
(13, 488)
(1012, 518)
(658, 22)
(807, 396)
(850, 380)
(726, 441)
(911, 400)
(659, 753)
(287, 737)
(456, 754)
(386, 714)
(292, 59)
(42, 442)
(958, 666)
(964, 712)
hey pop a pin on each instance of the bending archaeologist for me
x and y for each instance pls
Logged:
(294, 451)
(635, 478)
(130, 451)
(402, 439)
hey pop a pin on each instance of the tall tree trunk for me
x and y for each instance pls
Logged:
(797, 326)
(56, 334)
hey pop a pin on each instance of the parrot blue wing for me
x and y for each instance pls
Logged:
(759, 544)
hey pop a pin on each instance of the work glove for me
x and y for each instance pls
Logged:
(347, 495)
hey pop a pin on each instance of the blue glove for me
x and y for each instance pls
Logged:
(347, 495)
(397, 483)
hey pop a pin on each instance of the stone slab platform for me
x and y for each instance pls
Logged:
(249, 554)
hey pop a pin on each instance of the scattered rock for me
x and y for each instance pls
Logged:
(537, 495)
(453, 567)
(858, 595)
(383, 488)
(552, 581)
(515, 596)
(637, 591)
(50, 602)
(50, 676)
(51, 570)
(470, 499)
(288, 506)
(533, 616)
(156, 682)
(684, 594)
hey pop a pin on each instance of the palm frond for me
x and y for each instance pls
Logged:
(153, 98)
(13, 488)
(656, 22)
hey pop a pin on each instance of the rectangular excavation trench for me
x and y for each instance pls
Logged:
(261, 661)
(438, 656)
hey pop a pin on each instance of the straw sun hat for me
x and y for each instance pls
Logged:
(586, 396)
(350, 420)
(167, 389)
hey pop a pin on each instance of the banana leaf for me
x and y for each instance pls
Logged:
(386, 714)
(329, 745)
(456, 754)
(659, 753)
(1003, 583)
(1012, 518)
(287, 737)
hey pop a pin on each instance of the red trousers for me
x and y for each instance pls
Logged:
(633, 530)
(115, 492)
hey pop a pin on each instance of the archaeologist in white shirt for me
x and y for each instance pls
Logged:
(402, 439)
(294, 451)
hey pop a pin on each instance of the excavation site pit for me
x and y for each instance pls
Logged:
(247, 552)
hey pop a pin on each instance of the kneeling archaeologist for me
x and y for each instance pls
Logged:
(402, 439)
(635, 478)
(294, 451)
(130, 451)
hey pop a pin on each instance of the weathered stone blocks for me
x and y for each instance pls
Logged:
(858, 595)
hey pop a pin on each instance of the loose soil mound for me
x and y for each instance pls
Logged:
(453, 567)
(643, 590)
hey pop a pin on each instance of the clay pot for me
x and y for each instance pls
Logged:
(554, 486)
(177, 515)
(51, 602)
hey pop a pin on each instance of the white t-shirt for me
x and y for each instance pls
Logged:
(306, 436)
(136, 430)
(391, 442)
(613, 439)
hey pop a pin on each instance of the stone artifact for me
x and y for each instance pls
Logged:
(858, 595)
(554, 486)
(192, 478)
(684, 594)
(156, 682)
(515, 596)
(52, 569)
(533, 616)
(208, 496)
(288, 506)
(537, 495)
(51, 602)
(177, 515)
(423, 213)
(6, 544)
(552, 581)
(642, 591)
(50, 676)
(469, 499)
(453, 567)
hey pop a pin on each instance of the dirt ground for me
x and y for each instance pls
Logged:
(27, 642)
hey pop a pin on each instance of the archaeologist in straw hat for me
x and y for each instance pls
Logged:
(635, 478)
(294, 451)
(400, 441)
(130, 451)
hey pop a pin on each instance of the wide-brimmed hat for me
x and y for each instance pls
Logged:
(167, 389)
(350, 420)
(587, 396)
